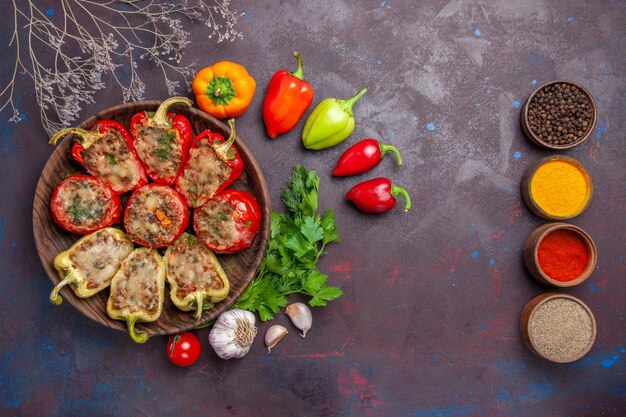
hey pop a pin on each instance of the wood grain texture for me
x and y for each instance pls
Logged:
(51, 239)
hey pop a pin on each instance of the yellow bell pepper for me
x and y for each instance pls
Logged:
(224, 89)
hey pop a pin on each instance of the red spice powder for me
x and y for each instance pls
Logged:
(563, 255)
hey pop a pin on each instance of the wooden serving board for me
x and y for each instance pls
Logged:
(50, 239)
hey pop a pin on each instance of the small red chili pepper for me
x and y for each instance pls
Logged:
(107, 152)
(232, 209)
(287, 98)
(363, 156)
(197, 184)
(377, 196)
(162, 140)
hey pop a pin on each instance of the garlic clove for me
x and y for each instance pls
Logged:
(273, 335)
(300, 316)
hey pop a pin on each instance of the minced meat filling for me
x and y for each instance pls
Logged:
(153, 215)
(191, 265)
(84, 201)
(100, 257)
(160, 149)
(215, 224)
(205, 173)
(111, 160)
(137, 288)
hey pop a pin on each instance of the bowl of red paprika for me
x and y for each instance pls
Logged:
(560, 254)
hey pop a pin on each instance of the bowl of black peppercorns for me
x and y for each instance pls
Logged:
(559, 115)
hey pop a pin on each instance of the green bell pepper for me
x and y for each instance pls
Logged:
(330, 123)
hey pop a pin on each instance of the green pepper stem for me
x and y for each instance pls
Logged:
(199, 302)
(298, 73)
(223, 148)
(160, 117)
(88, 137)
(388, 148)
(395, 190)
(55, 298)
(137, 337)
(350, 102)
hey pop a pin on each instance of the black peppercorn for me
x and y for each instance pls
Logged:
(560, 114)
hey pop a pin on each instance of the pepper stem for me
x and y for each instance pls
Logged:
(199, 302)
(89, 137)
(160, 117)
(55, 298)
(223, 148)
(388, 148)
(395, 190)
(298, 73)
(137, 337)
(350, 102)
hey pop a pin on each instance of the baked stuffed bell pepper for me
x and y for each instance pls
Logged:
(162, 140)
(212, 166)
(197, 280)
(137, 290)
(89, 265)
(106, 151)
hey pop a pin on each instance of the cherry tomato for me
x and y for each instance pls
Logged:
(183, 349)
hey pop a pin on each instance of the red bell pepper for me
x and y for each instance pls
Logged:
(107, 152)
(377, 196)
(202, 178)
(228, 222)
(287, 98)
(82, 204)
(155, 216)
(162, 140)
(363, 156)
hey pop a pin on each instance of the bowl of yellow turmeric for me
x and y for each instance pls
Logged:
(557, 188)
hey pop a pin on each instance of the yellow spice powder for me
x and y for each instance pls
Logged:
(560, 188)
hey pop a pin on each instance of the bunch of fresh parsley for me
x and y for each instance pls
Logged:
(297, 240)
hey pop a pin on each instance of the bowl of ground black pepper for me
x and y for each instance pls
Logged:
(560, 254)
(558, 327)
(559, 115)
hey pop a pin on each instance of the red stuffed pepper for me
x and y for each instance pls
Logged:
(82, 204)
(228, 222)
(155, 216)
(363, 156)
(162, 140)
(377, 196)
(213, 165)
(107, 152)
(287, 98)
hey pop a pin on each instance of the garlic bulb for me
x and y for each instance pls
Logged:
(273, 335)
(300, 316)
(233, 334)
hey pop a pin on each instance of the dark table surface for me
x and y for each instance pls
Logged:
(428, 325)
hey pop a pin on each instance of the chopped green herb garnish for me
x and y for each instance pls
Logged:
(248, 223)
(111, 160)
(166, 144)
(192, 239)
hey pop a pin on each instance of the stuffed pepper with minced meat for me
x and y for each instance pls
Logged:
(197, 280)
(212, 166)
(89, 264)
(228, 222)
(162, 140)
(106, 152)
(137, 290)
(155, 216)
(82, 204)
